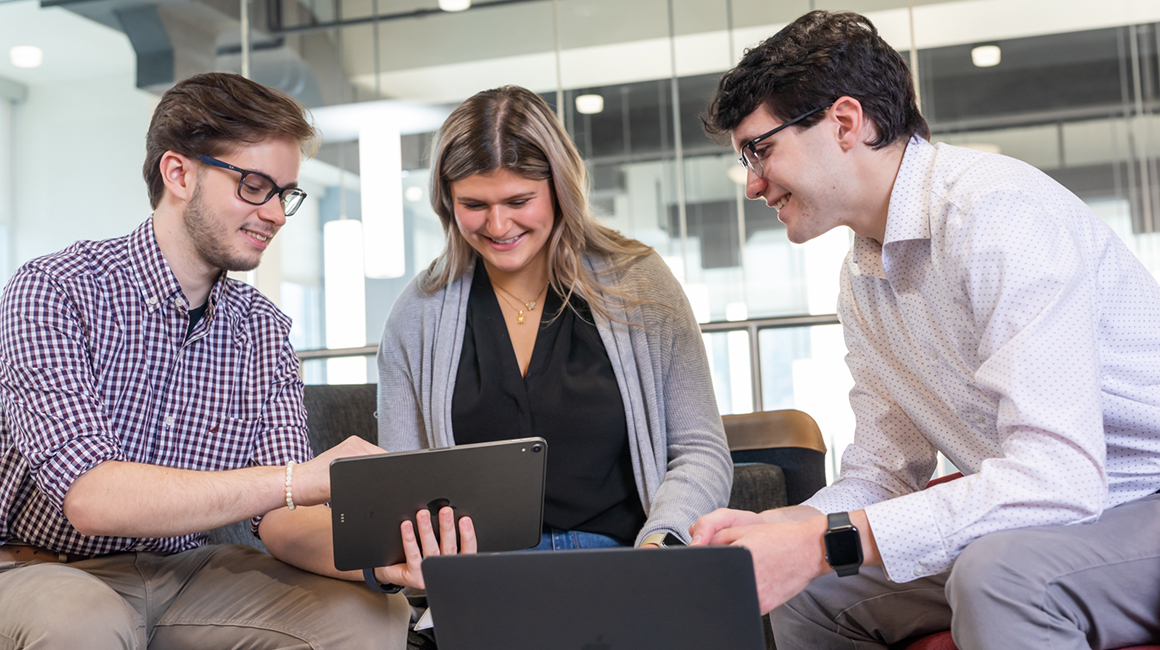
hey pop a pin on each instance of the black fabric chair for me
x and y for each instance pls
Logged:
(787, 439)
(333, 414)
(779, 456)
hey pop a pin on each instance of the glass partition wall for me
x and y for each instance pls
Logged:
(1075, 93)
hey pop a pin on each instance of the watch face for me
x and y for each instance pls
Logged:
(842, 547)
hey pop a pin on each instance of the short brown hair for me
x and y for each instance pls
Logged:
(210, 114)
(810, 63)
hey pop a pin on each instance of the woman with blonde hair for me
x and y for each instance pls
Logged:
(538, 321)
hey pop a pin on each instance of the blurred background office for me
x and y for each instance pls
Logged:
(1070, 86)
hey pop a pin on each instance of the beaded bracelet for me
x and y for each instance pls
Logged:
(289, 480)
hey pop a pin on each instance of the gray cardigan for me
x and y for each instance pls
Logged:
(679, 454)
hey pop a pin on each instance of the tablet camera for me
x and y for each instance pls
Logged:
(537, 448)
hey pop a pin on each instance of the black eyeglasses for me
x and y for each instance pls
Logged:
(257, 188)
(749, 158)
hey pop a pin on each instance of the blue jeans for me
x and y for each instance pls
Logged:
(565, 540)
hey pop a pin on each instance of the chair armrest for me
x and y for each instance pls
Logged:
(766, 429)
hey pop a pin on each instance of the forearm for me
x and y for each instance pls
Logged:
(140, 500)
(789, 513)
(303, 538)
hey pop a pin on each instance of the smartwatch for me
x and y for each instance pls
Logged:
(843, 544)
(375, 585)
(663, 540)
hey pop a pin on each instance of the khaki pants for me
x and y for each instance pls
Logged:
(212, 597)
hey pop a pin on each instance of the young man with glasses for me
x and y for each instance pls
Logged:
(147, 398)
(988, 315)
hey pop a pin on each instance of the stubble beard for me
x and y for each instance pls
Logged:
(208, 238)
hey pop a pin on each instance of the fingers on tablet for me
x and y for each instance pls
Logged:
(447, 535)
(467, 535)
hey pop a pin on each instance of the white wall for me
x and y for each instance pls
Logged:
(80, 146)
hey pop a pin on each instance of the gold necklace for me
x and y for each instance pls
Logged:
(531, 304)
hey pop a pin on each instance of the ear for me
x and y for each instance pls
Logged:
(851, 122)
(179, 175)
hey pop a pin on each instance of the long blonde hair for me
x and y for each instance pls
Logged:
(512, 128)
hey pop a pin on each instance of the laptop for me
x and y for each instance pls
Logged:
(500, 485)
(606, 599)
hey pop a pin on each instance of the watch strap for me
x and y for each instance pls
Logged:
(654, 538)
(373, 583)
(837, 520)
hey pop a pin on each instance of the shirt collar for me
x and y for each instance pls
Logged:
(155, 279)
(907, 217)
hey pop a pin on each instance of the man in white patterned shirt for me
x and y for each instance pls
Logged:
(147, 398)
(988, 315)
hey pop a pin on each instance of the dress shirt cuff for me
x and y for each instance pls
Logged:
(908, 537)
(836, 498)
(68, 462)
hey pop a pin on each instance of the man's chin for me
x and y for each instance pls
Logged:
(236, 265)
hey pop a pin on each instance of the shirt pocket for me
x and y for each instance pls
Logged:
(229, 443)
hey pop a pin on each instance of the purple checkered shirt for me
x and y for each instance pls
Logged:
(94, 366)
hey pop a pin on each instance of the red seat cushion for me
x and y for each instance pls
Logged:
(939, 641)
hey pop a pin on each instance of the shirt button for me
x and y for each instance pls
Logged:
(903, 284)
(979, 418)
(152, 300)
(918, 571)
(169, 420)
(179, 303)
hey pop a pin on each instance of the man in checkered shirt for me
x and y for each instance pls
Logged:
(147, 398)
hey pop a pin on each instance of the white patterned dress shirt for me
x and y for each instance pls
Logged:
(1003, 324)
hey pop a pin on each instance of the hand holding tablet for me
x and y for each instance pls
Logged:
(381, 506)
(422, 543)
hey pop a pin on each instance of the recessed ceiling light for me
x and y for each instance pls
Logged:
(590, 104)
(26, 56)
(986, 56)
(454, 5)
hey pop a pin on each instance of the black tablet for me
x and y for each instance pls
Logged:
(500, 485)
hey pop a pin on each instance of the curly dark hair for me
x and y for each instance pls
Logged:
(212, 113)
(813, 61)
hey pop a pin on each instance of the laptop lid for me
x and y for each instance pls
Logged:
(500, 485)
(608, 599)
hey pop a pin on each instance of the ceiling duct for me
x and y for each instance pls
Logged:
(179, 38)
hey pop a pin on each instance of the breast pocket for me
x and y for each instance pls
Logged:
(229, 443)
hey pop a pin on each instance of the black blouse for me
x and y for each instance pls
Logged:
(569, 398)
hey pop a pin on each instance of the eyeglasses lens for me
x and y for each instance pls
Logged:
(291, 200)
(254, 189)
(751, 161)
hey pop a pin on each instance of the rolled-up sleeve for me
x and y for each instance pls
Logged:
(48, 393)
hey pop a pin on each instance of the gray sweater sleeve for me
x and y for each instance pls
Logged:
(698, 473)
(403, 426)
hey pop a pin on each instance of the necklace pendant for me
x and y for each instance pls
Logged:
(531, 305)
(520, 318)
